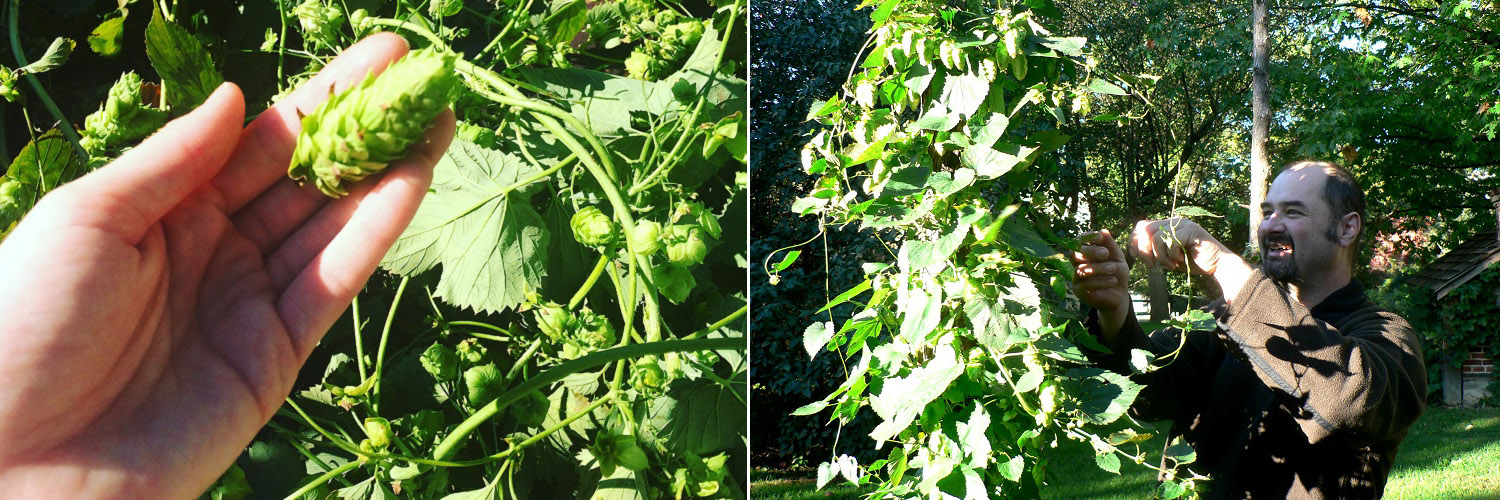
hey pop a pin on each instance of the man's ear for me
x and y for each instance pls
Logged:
(1349, 227)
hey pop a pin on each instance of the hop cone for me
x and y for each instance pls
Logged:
(357, 133)
(124, 117)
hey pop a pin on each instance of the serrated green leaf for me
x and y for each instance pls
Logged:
(990, 163)
(884, 11)
(810, 409)
(1018, 234)
(1102, 396)
(1108, 461)
(489, 240)
(45, 163)
(788, 260)
(944, 184)
(1171, 489)
(1192, 211)
(937, 118)
(901, 399)
(922, 312)
(1140, 360)
(1181, 451)
(964, 93)
(1030, 381)
(971, 434)
(848, 294)
(816, 336)
(1103, 87)
(709, 416)
(187, 72)
(907, 180)
(55, 56)
(565, 18)
(1013, 468)
(105, 39)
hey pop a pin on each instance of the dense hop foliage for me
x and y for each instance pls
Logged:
(967, 348)
(564, 317)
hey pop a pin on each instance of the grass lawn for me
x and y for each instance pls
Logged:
(1451, 453)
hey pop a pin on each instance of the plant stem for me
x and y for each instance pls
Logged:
(359, 343)
(449, 444)
(36, 85)
(515, 368)
(323, 479)
(720, 323)
(588, 284)
(385, 334)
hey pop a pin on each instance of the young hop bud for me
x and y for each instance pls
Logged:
(440, 361)
(379, 430)
(320, 21)
(357, 133)
(591, 227)
(674, 282)
(531, 409)
(685, 245)
(552, 320)
(647, 234)
(484, 383)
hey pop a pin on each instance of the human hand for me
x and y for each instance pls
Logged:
(156, 311)
(1100, 279)
(1171, 242)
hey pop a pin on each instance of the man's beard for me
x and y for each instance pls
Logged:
(1280, 269)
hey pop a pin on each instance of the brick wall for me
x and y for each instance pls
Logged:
(1479, 363)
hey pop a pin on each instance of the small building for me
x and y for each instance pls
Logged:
(1469, 383)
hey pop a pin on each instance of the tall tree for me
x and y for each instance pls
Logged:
(1260, 118)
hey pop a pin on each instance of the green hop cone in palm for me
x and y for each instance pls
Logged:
(357, 133)
(591, 227)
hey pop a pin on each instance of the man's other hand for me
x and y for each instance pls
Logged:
(1100, 280)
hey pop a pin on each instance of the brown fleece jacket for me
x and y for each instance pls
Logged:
(1281, 401)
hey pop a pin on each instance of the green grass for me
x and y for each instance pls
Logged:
(1451, 453)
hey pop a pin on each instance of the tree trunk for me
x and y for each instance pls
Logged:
(1260, 121)
(1156, 282)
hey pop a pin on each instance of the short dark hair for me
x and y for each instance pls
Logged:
(1341, 191)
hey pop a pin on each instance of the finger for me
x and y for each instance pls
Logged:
(266, 145)
(132, 193)
(1161, 251)
(335, 273)
(1097, 283)
(1107, 241)
(1140, 242)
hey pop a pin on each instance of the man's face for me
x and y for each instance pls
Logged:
(1294, 239)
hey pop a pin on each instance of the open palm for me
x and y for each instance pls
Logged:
(154, 313)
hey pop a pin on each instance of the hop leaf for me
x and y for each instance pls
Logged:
(618, 450)
(357, 133)
(531, 409)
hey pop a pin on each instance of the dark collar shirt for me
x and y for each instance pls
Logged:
(1280, 401)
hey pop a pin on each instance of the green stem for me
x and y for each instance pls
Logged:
(359, 341)
(449, 445)
(323, 479)
(286, 433)
(385, 334)
(36, 85)
(684, 139)
(486, 326)
(515, 368)
(588, 284)
(720, 323)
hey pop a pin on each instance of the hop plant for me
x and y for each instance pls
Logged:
(379, 430)
(320, 21)
(591, 227)
(647, 234)
(531, 409)
(685, 245)
(484, 383)
(674, 282)
(613, 449)
(357, 133)
(124, 117)
(553, 320)
(441, 362)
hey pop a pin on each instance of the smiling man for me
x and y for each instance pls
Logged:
(1305, 389)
